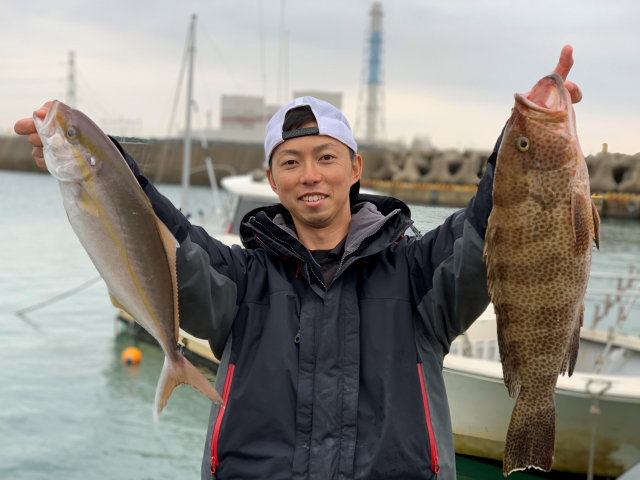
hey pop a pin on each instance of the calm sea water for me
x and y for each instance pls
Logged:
(68, 408)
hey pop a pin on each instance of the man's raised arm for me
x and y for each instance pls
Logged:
(211, 276)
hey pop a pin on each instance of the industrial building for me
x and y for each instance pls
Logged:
(244, 118)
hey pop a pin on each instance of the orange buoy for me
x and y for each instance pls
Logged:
(131, 356)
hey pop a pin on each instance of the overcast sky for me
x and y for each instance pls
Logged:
(450, 67)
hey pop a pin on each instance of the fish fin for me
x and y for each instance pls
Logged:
(596, 224)
(531, 435)
(569, 363)
(116, 303)
(581, 219)
(170, 245)
(508, 356)
(488, 255)
(178, 373)
(573, 216)
(85, 202)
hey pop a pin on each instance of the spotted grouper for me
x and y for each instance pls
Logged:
(538, 256)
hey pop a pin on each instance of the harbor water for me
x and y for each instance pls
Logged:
(68, 407)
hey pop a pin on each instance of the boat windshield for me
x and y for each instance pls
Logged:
(245, 205)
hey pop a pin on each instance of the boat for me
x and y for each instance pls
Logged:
(481, 407)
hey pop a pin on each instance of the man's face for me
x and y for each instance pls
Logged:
(312, 175)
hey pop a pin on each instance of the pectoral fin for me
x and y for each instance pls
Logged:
(85, 202)
(170, 245)
(581, 220)
(596, 224)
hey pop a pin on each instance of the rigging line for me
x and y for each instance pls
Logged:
(205, 86)
(95, 105)
(165, 147)
(224, 63)
(22, 313)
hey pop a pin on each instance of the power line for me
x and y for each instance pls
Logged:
(84, 84)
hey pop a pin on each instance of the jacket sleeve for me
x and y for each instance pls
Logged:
(211, 275)
(448, 275)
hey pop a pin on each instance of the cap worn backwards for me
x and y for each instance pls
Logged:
(331, 122)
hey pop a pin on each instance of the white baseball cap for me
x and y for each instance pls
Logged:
(331, 122)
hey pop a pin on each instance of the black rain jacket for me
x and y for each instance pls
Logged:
(342, 382)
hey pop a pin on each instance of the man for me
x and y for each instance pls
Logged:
(333, 323)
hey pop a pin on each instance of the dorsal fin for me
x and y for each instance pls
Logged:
(170, 245)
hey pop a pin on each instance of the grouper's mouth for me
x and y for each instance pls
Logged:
(547, 96)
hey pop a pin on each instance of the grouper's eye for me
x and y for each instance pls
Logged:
(72, 133)
(523, 144)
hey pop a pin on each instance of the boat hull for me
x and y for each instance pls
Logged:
(480, 426)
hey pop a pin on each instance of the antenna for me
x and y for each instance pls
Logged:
(371, 83)
(71, 81)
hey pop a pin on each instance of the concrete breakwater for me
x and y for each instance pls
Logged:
(161, 160)
(608, 172)
(431, 177)
(450, 178)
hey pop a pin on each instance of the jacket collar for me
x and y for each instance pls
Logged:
(376, 222)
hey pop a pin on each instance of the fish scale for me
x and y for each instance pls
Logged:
(538, 257)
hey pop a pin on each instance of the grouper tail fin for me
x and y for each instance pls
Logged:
(179, 372)
(531, 434)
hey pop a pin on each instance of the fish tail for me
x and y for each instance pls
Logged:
(531, 435)
(179, 372)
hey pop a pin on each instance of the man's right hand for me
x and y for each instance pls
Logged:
(27, 127)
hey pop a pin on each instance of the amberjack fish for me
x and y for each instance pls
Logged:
(132, 249)
(538, 256)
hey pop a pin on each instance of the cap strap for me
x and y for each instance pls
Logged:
(301, 132)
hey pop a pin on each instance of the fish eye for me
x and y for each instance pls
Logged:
(523, 144)
(71, 133)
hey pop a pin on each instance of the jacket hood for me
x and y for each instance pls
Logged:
(384, 205)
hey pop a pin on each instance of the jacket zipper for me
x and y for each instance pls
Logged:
(432, 439)
(215, 461)
(291, 251)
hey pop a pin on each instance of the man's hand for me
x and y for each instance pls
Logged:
(564, 67)
(27, 127)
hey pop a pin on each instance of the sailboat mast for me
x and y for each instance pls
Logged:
(186, 156)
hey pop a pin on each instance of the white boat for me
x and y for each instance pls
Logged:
(481, 407)
(251, 191)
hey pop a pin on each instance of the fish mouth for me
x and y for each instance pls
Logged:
(548, 95)
(46, 127)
